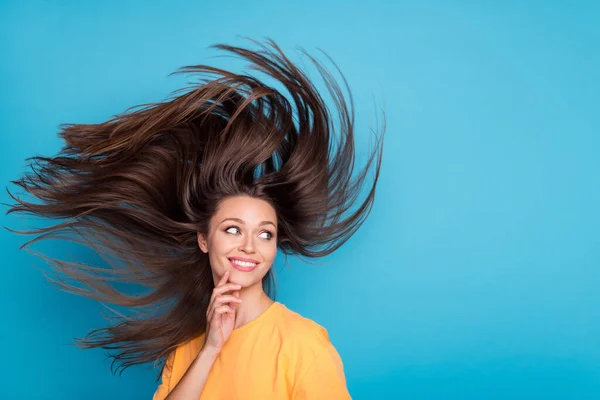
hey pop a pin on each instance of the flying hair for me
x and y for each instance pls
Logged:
(138, 188)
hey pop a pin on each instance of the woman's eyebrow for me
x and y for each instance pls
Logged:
(242, 221)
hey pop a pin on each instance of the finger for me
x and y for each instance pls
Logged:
(236, 294)
(223, 289)
(223, 278)
(224, 298)
(223, 310)
(220, 283)
(220, 300)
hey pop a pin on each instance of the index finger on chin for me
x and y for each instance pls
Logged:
(224, 278)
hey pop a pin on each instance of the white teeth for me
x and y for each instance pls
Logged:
(243, 263)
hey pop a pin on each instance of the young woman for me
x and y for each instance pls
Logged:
(191, 198)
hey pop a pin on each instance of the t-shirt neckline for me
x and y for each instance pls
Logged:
(256, 320)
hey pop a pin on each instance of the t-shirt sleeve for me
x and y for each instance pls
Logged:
(324, 378)
(163, 389)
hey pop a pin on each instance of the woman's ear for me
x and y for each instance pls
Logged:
(202, 242)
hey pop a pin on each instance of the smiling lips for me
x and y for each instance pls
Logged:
(243, 264)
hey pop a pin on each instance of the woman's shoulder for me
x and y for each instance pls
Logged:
(315, 368)
(297, 329)
(294, 320)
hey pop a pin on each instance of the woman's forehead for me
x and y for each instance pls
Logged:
(245, 210)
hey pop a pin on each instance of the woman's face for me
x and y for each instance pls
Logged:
(242, 228)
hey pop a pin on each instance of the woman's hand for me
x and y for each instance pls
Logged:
(220, 316)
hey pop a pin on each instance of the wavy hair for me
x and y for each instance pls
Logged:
(139, 187)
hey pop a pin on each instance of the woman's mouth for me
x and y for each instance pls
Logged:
(242, 266)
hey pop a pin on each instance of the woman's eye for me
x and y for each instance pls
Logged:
(231, 227)
(268, 233)
(237, 229)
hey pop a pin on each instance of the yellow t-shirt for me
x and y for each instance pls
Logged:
(278, 355)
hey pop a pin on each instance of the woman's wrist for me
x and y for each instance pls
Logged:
(208, 353)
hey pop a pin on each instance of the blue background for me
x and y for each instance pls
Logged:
(476, 275)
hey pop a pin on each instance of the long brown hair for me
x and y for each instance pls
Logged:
(138, 187)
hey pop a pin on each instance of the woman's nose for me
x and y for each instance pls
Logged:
(248, 244)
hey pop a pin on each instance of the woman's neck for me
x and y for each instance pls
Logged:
(254, 302)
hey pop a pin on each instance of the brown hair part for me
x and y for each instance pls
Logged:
(138, 187)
